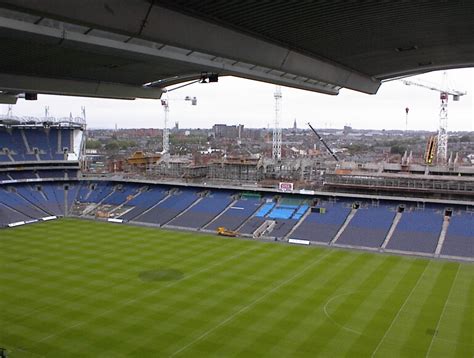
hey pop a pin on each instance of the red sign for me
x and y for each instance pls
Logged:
(286, 186)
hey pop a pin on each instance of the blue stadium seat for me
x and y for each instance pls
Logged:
(459, 240)
(369, 227)
(417, 231)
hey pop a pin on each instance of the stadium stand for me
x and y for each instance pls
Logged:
(23, 174)
(38, 141)
(121, 193)
(5, 176)
(282, 227)
(72, 193)
(204, 211)
(65, 140)
(251, 225)
(170, 207)
(144, 201)
(459, 240)
(369, 227)
(14, 201)
(417, 231)
(55, 198)
(71, 173)
(265, 209)
(237, 213)
(323, 223)
(96, 192)
(57, 174)
(9, 144)
(35, 144)
(254, 222)
(9, 215)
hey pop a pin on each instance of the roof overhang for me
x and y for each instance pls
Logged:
(114, 48)
(172, 48)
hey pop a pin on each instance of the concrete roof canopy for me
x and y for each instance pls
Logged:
(134, 48)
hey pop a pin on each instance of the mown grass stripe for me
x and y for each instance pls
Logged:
(422, 315)
(85, 271)
(400, 309)
(248, 306)
(443, 311)
(466, 332)
(357, 308)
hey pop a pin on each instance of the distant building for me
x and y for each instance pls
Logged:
(225, 131)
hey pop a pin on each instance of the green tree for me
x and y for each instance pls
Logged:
(114, 145)
(93, 144)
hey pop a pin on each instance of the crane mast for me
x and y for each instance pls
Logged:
(323, 141)
(166, 130)
(276, 147)
(444, 93)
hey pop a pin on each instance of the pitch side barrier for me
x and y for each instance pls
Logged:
(21, 223)
(298, 241)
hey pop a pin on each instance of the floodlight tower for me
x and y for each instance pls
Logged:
(276, 148)
(444, 93)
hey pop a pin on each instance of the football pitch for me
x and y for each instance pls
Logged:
(82, 288)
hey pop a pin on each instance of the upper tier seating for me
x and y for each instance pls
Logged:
(35, 144)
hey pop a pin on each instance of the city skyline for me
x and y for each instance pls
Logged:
(239, 101)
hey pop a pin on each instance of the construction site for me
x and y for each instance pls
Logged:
(313, 159)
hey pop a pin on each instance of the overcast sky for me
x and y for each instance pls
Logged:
(238, 101)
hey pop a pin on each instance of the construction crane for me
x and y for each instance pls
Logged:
(445, 92)
(276, 144)
(166, 131)
(322, 141)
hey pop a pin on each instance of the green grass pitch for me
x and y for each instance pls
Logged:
(80, 288)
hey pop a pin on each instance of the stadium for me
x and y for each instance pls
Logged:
(103, 266)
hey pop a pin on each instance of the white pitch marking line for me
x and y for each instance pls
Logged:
(442, 312)
(250, 304)
(145, 295)
(400, 310)
(332, 319)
